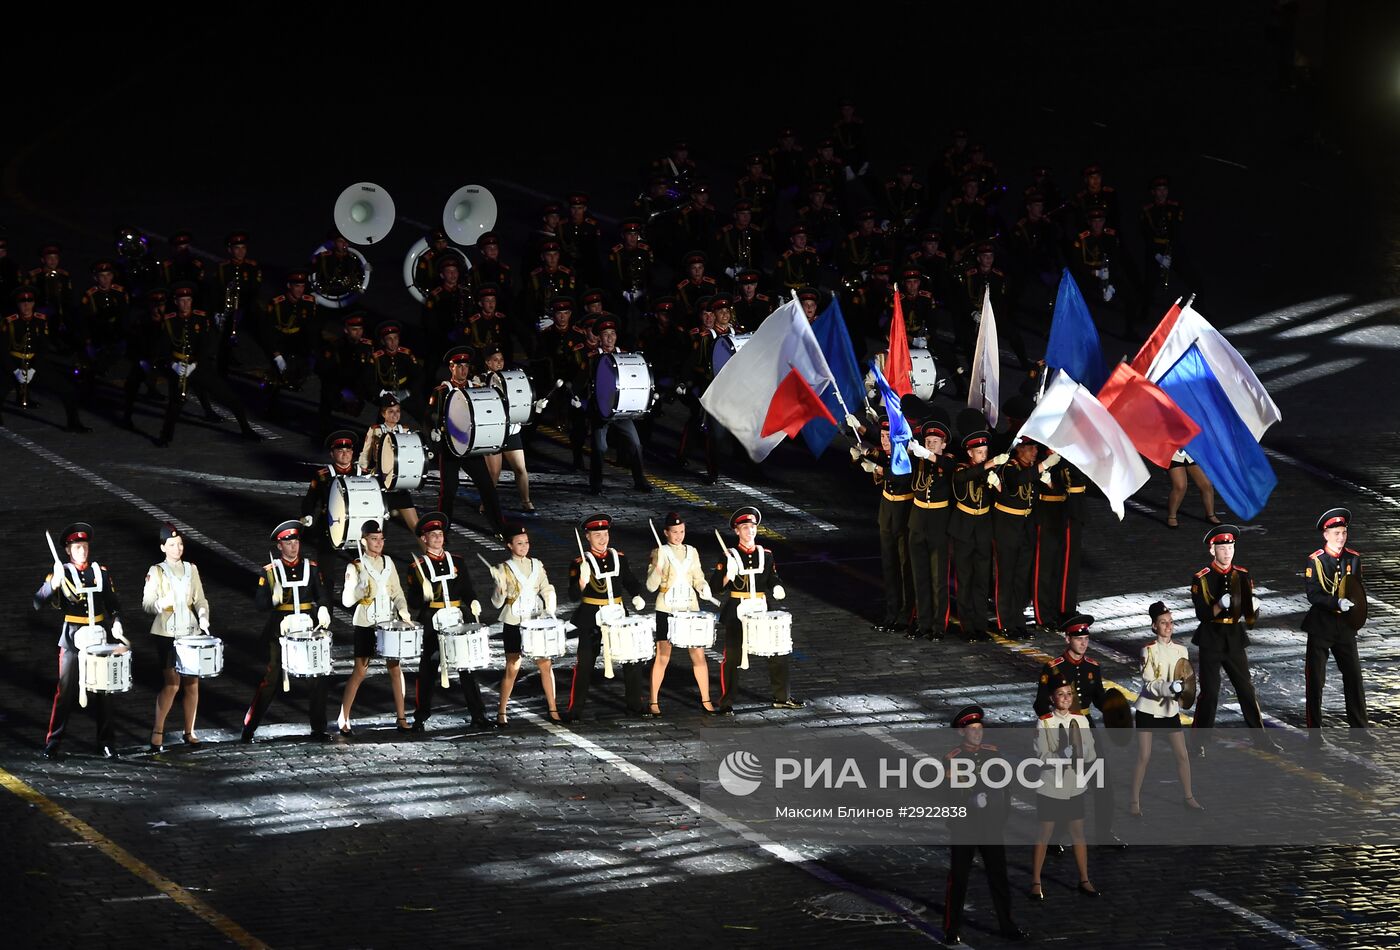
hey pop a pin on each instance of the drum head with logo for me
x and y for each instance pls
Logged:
(338, 512)
(476, 421)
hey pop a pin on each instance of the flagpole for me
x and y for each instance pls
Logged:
(837, 390)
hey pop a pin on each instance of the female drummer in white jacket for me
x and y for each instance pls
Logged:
(1063, 734)
(398, 502)
(522, 592)
(175, 595)
(675, 570)
(1158, 707)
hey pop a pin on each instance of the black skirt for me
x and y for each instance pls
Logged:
(1145, 720)
(1059, 809)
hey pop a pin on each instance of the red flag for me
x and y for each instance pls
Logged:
(795, 403)
(1143, 361)
(1151, 418)
(897, 365)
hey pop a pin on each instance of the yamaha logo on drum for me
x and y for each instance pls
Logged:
(740, 773)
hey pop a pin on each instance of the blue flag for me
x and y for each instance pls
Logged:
(1074, 340)
(1225, 449)
(899, 426)
(835, 343)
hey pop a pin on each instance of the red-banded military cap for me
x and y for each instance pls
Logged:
(673, 518)
(340, 439)
(975, 439)
(286, 531)
(597, 522)
(968, 716)
(459, 355)
(78, 531)
(1078, 625)
(1334, 518)
(432, 521)
(1222, 534)
(746, 515)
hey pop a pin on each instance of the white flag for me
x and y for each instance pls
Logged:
(984, 391)
(1069, 420)
(742, 393)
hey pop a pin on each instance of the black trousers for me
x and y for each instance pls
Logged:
(1222, 645)
(1048, 569)
(928, 561)
(450, 468)
(429, 674)
(1014, 546)
(972, 559)
(65, 697)
(778, 667)
(598, 439)
(1342, 645)
(960, 868)
(590, 642)
(49, 377)
(204, 384)
(894, 560)
(271, 683)
(1069, 590)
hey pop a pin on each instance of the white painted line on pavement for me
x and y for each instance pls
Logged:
(1263, 923)
(1338, 320)
(1328, 370)
(1277, 318)
(772, 502)
(260, 429)
(128, 900)
(1323, 473)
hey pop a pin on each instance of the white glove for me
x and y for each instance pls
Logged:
(475, 607)
(541, 403)
(918, 451)
(682, 389)
(1167, 261)
(177, 368)
(1176, 687)
(1045, 479)
(204, 621)
(575, 402)
(994, 480)
(980, 800)
(638, 603)
(868, 465)
(856, 453)
(1225, 601)
(323, 617)
(189, 368)
(306, 520)
(1108, 293)
(543, 323)
(864, 167)
(1001, 460)
(630, 295)
(850, 175)
(1101, 273)
(1051, 460)
(852, 421)
(405, 616)
(276, 588)
(280, 362)
(19, 377)
(871, 395)
(117, 631)
(435, 435)
(1344, 604)
(732, 566)
(885, 224)
(731, 272)
(585, 573)
(778, 592)
(977, 316)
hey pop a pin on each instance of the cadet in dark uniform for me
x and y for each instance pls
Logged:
(1013, 534)
(314, 504)
(594, 577)
(750, 307)
(344, 367)
(186, 354)
(142, 348)
(447, 311)
(289, 332)
(896, 502)
(822, 219)
(581, 241)
(490, 269)
(970, 527)
(698, 220)
(758, 190)
(928, 529)
(1223, 596)
(787, 160)
(599, 425)
(428, 265)
(183, 267)
(980, 829)
(238, 294)
(1164, 252)
(339, 273)
(140, 271)
(440, 581)
(1099, 262)
(630, 265)
(104, 309)
(965, 218)
(459, 364)
(291, 584)
(1077, 668)
(748, 574)
(905, 202)
(26, 344)
(862, 248)
(799, 266)
(53, 294)
(395, 370)
(667, 349)
(696, 286)
(489, 327)
(562, 353)
(982, 278)
(1324, 581)
(1037, 261)
(1051, 536)
(84, 591)
(740, 245)
(545, 284)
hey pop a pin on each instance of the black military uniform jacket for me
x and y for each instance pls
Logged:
(986, 807)
(932, 485)
(183, 338)
(1086, 677)
(1323, 582)
(104, 314)
(315, 594)
(63, 595)
(1210, 583)
(289, 323)
(744, 586)
(433, 571)
(972, 503)
(595, 594)
(393, 371)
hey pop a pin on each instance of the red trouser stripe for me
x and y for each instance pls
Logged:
(57, 692)
(723, 689)
(1035, 579)
(996, 586)
(1064, 577)
(573, 682)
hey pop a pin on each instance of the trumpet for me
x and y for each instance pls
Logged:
(24, 382)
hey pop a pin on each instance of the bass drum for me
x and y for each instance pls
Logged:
(476, 421)
(352, 500)
(514, 387)
(923, 373)
(402, 461)
(725, 348)
(622, 386)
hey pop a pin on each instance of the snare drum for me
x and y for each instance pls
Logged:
(630, 639)
(691, 628)
(398, 640)
(352, 500)
(542, 638)
(105, 671)
(199, 656)
(466, 648)
(476, 421)
(514, 387)
(726, 347)
(622, 386)
(768, 633)
(306, 654)
(923, 373)
(403, 460)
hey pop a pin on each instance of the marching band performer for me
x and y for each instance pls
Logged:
(513, 450)
(341, 446)
(441, 582)
(399, 501)
(1063, 734)
(175, 594)
(928, 529)
(748, 574)
(289, 585)
(1324, 581)
(1158, 707)
(971, 531)
(522, 592)
(598, 424)
(591, 575)
(183, 344)
(84, 591)
(372, 588)
(675, 571)
(459, 364)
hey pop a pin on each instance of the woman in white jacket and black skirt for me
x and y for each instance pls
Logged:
(1158, 707)
(174, 593)
(1063, 735)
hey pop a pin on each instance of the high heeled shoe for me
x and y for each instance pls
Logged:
(707, 706)
(1086, 889)
(554, 716)
(402, 724)
(192, 739)
(157, 745)
(1190, 804)
(1036, 893)
(653, 711)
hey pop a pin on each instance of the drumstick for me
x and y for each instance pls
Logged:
(487, 563)
(654, 534)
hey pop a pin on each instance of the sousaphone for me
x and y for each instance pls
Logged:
(468, 214)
